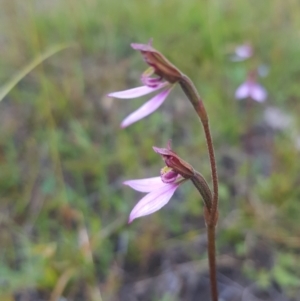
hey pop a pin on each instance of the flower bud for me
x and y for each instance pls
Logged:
(173, 161)
(162, 67)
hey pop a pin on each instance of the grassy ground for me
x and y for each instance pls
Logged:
(63, 156)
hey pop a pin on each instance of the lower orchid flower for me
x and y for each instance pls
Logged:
(250, 88)
(159, 189)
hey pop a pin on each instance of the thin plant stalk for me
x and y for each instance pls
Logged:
(211, 215)
(248, 137)
(211, 238)
(192, 94)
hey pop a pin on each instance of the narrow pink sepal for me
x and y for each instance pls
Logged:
(153, 201)
(145, 185)
(162, 151)
(258, 93)
(136, 92)
(141, 47)
(146, 109)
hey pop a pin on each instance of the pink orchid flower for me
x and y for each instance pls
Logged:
(250, 88)
(159, 189)
(164, 80)
(244, 51)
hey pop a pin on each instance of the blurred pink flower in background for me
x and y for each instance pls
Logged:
(242, 52)
(277, 119)
(159, 189)
(250, 88)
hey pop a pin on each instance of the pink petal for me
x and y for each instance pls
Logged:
(146, 109)
(146, 185)
(136, 92)
(242, 91)
(258, 93)
(153, 201)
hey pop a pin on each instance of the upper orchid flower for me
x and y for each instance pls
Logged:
(159, 189)
(242, 52)
(250, 88)
(166, 75)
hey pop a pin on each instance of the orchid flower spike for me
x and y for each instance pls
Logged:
(159, 189)
(250, 88)
(160, 76)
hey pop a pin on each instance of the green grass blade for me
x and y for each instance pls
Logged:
(6, 88)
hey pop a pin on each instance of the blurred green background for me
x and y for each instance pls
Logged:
(63, 208)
